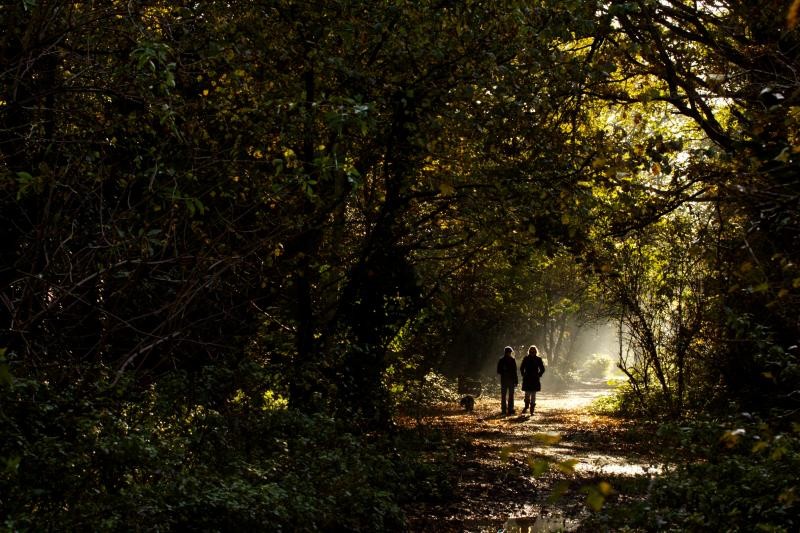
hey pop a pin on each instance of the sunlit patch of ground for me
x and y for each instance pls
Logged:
(514, 464)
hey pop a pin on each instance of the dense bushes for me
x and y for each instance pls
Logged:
(414, 392)
(736, 475)
(78, 457)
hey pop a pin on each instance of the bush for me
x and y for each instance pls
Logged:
(414, 396)
(596, 367)
(627, 403)
(81, 457)
(735, 476)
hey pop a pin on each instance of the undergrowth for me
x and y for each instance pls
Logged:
(78, 457)
(737, 473)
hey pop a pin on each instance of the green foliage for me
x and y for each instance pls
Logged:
(596, 367)
(210, 212)
(79, 457)
(626, 401)
(414, 396)
(617, 403)
(739, 475)
(772, 370)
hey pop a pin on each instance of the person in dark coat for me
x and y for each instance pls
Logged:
(507, 368)
(531, 368)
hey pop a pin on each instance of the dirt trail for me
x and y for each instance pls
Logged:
(512, 469)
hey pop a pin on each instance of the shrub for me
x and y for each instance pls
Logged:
(83, 457)
(596, 367)
(414, 396)
(734, 476)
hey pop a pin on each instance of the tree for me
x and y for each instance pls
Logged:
(281, 182)
(666, 310)
(728, 67)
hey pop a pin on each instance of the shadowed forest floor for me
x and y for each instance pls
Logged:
(533, 473)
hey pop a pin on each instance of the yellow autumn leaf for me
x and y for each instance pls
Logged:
(761, 287)
(557, 491)
(729, 439)
(789, 496)
(567, 467)
(538, 466)
(546, 438)
(595, 501)
(505, 453)
(782, 157)
(792, 15)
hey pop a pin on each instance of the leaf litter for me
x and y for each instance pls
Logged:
(539, 473)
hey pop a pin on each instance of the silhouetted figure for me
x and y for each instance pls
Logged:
(507, 368)
(531, 368)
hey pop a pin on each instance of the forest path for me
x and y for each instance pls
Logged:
(532, 473)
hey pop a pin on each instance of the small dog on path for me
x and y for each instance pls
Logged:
(468, 403)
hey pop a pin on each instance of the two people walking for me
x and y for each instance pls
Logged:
(531, 368)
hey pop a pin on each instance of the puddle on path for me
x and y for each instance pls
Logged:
(497, 487)
(609, 465)
(540, 524)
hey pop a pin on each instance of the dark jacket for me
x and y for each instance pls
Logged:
(531, 368)
(507, 368)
